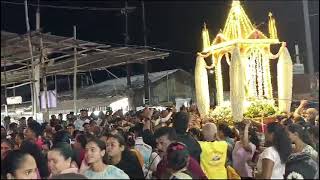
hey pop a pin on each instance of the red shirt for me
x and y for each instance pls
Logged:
(193, 167)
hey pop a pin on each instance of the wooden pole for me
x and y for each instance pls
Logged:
(75, 71)
(42, 55)
(34, 102)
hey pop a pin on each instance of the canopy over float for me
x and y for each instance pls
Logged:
(247, 52)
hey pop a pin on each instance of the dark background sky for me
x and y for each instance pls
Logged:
(172, 25)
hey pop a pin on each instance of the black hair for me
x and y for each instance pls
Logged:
(84, 124)
(76, 132)
(64, 149)
(225, 129)
(13, 161)
(72, 125)
(302, 133)
(12, 125)
(130, 141)
(196, 133)
(119, 138)
(181, 122)
(169, 131)
(58, 127)
(138, 129)
(82, 140)
(33, 149)
(35, 127)
(69, 176)
(61, 136)
(287, 122)
(280, 141)
(177, 156)
(100, 144)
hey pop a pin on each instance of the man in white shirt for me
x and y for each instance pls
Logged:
(84, 118)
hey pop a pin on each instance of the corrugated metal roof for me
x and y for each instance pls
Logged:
(117, 86)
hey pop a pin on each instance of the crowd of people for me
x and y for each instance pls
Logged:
(150, 144)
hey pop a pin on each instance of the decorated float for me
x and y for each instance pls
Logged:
(247, 53)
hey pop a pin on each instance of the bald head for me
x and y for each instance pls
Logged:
(209, 131)
(311, 114)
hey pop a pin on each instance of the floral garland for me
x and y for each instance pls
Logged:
(294, 175)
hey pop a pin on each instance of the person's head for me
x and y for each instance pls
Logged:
(19, 138)
(53, 117)
(209, 131)
(196, 133)
(130, 139)
(92, 123)
(58, 127)
(177, 156)
(311, 114)
(138, 130)
(164, 137)
(19, 165)
(115, 145)
(81, 141)
(277, 136)
(3, 133)
(33, 130)
(83, 113)
(29, 120)
(71, 128)
(6, 146)
(104, 137)
(69, 176)
(61, 136)
(22, 121)
(60, 158)
(7, 120)
(95, 151)
(297, 133)
(86, 127)
(224, 131)
(13, 127)
(60, 116)
(181, 122)
(183, 109)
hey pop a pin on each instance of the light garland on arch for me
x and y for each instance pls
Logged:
(259, 74)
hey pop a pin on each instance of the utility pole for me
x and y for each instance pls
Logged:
(308, 36)
(75, 70)
(126, 41)
(146, 72)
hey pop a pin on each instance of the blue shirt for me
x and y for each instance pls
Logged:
(111, 172)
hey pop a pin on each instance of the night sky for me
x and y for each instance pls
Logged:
(172, 25)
